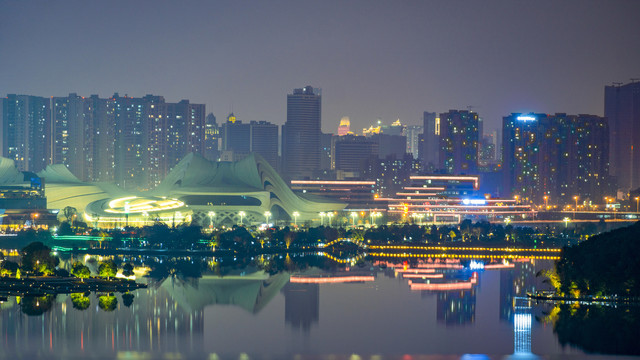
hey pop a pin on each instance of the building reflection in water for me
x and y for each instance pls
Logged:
(153, 322)
(516, 282)
(167, 317)
(301, 305)
(457, 307)
(522, 319)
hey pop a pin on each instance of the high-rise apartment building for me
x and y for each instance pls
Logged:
(458, 153)
(559, 156)
(390, 145)
(26, 131)
(430, 141)
(622, 109)
(72, 135)
(99, 123)
(352, 153)
(327, 151)
(133, 142)
(521, 141)
(264, 141)
(211, 138)
(301, 133)
(413, 132)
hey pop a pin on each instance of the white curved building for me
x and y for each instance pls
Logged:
(248, 191)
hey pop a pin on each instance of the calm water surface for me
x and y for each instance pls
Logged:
(374, 311)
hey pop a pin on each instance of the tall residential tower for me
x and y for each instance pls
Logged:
(301, 133)
(622, 109)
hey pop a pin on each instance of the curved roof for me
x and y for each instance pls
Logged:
(9, 174)
(194, 171)
(64, 189)
(251, 292)
(252, 175)
(58, 173)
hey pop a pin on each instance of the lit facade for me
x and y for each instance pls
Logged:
(26, 129)
(133, 142)
(345, 126)
(450, 199)
(237, 192)
(559, 156)
(458, 153)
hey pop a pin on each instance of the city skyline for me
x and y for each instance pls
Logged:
(396, 61)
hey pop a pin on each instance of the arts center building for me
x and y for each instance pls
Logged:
(248, 192)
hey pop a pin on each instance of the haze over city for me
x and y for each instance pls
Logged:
(372, 60)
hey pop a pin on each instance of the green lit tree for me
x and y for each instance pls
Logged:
(107, 269)
(80, 270)
(37, 258)
(80, 301)
(107, 302)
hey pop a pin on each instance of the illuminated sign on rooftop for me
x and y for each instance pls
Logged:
(526, 118)
(474, 201)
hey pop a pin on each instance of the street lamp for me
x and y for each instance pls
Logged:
(330, 215)
(295, 218)
(266, 215)
(546, 202)
(322, 215)
(242, 214)
(507, 221)
(637, 203)
(211, 216)
(566, 222)
(515, 197)
(576, 208)
(354, 215)
(374, 215)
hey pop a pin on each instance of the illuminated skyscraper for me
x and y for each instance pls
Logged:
(559, 156)
(520, 157)
(344, 127)
(622, 109)
(301, 133)
(413, 133)
(459, 142)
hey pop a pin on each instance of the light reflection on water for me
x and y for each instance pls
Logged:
(360, 312)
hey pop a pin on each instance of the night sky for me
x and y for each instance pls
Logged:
(387, 59)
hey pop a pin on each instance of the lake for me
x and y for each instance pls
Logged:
(310, 307)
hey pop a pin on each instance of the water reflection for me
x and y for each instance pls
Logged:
(301, 305)
(195, 306)
(605, 329)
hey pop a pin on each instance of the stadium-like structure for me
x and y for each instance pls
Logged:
(249, 191)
